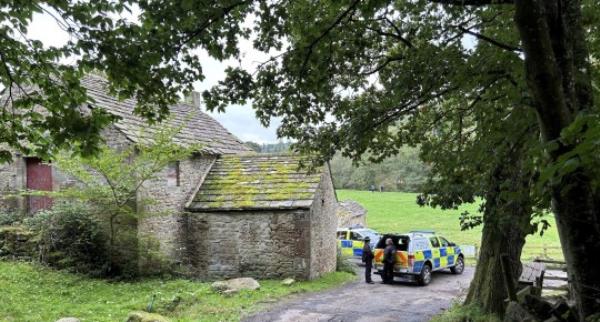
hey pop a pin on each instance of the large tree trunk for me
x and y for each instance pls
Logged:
(506, 223)
(558, 73)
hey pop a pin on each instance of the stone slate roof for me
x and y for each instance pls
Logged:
(252, 182)
(199, 127)
(353, 208)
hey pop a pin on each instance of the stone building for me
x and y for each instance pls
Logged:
(220, 213)
(29, 172)
(260, 216)
(350, 213)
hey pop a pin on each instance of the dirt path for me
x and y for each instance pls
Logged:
(377, 302)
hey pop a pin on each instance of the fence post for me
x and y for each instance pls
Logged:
(508, 278)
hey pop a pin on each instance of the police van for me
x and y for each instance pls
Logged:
(351, 240)
(419, 253)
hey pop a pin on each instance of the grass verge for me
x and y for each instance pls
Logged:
(31, 292)
(460, 313)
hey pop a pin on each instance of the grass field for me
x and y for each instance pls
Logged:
(398, 212)
(33, 293)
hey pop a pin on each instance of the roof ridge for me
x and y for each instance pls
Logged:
(197, 125)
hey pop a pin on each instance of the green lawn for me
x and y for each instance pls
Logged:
(32, 293)
(398, 212)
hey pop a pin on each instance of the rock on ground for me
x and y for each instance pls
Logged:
(288, 281)
(236, 285)
(516, 313)
(70, 319)
(140, 316)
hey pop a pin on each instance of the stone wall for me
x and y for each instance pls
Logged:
(259, 244)
(162, 203)
(17, 242)
(12, 176)
(323, 227)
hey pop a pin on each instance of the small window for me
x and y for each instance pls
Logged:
(173, 174)
(341, 235)
(400, 242)
(444, 241)
(420, 244)
(356, 236)
(434, 242)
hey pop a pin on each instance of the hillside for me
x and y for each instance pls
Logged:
(398, 212)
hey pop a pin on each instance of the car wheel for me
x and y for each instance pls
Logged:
(459, 267)
(425, 277)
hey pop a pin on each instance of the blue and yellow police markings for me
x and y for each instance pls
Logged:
(351, 247)
(439, 257)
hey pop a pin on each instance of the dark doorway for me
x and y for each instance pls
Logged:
(39, 177)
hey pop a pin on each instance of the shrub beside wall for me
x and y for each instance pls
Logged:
(69, 237)
(10, 218)
(72, 236)
(17, 242)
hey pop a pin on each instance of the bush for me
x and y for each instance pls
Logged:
(70, 238)
(151, 260)
(343, 264)
(10, 218)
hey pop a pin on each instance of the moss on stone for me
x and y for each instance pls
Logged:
(17, 242)
(245, 183)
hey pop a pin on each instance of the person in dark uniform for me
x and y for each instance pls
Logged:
(367, 258)
(389, 259)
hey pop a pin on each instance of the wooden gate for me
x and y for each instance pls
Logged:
(39, 177)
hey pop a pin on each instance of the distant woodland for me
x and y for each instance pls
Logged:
(403, 172)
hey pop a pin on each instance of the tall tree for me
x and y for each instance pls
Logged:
(559, 77)
(499, 170)
(374, 64)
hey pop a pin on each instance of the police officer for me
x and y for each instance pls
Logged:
(389, 259)
(367, 258)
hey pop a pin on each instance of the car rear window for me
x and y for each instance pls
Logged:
(401, 242)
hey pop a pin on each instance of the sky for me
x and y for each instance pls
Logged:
(238, 119)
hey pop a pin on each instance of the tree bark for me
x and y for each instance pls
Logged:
(558, 75)
(506, 223)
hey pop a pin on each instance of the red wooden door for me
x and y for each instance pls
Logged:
(39, 177)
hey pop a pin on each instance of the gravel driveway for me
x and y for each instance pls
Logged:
(359, 301)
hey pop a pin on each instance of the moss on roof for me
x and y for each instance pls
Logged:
(238, 182)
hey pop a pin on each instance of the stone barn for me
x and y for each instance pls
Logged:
(259, 216)
(351, 213)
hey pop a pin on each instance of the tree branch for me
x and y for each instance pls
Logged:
(399, 33)
(382, 65)
(490, 40)
(326, 32)
(396, 36)
(223, 13)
